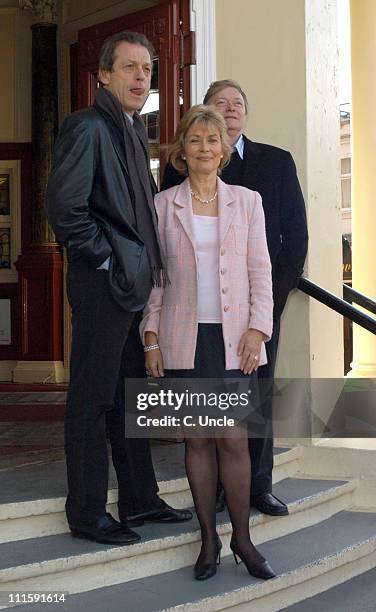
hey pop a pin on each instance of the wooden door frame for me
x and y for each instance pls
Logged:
(161, 26)
(201, 17)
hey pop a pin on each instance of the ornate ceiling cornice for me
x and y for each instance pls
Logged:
(41, 10)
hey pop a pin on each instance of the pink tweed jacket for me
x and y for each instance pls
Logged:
(244, 267)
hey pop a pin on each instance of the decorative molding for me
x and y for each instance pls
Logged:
(42, 10)
(39, 372)
(202, 19)
(156, 30)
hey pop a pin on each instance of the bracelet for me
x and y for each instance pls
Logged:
(150, 347)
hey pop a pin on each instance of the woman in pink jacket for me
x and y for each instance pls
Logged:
(214, 317)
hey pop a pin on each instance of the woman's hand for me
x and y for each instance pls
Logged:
(153, 358)
(249, 348)
(154, 363)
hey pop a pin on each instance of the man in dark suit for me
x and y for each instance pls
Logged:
(270, 171)
(100, 205)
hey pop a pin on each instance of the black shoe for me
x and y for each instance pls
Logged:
(220, 504)
(106, 531)
(267, 503)
(260, 569)
(163, 514)
(203, 571)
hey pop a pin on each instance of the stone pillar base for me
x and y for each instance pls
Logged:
(6, 370)
(362, 370)
(39, 372)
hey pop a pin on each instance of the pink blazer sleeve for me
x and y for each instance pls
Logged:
(152, 310)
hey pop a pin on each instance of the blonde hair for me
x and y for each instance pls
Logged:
(204, 115)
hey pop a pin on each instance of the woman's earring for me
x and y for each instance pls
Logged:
(221, 156)
(183, 157)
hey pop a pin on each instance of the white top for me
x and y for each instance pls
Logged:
(207, 245)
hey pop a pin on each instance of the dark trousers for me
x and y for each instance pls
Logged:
(105, 348)
(261, 448)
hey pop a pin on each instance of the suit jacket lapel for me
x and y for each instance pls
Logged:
(184, 211)
(251, 162)
(226, 208)
(117, 138)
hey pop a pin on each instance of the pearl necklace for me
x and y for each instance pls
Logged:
(197, 197)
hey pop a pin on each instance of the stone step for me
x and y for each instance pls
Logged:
(32, 497)
(307, 561)
(65, 563)
(357, 594)
(287, 462)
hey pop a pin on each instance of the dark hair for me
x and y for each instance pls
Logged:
(217, 86)
(107, 54)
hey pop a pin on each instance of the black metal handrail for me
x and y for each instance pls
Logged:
(352, 295)
(335, 303)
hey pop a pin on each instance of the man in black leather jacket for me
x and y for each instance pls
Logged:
(270, 171)
(100, 205)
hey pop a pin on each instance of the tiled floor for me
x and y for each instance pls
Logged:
(34, 434)
(47, 397)
(40, 479)
(40, 438)
(31, 427)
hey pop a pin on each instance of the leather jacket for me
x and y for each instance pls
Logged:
(89, 204)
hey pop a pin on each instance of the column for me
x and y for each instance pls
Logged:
(285, 56)
(363, 177)
(40, 264)
(290, 77)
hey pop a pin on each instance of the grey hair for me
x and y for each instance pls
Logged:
(217, 86)
(107, 55)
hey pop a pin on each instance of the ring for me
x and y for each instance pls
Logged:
(256, 357)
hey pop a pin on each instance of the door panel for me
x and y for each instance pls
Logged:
(161, 26)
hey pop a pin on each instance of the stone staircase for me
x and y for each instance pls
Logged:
(327, 539)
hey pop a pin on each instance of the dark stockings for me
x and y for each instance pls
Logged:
(234, 468)
(235, 475)
(202, 472)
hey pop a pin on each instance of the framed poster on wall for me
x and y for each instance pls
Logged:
(5, 322)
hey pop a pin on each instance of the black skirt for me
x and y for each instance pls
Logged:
(210, 364)
(210, 361)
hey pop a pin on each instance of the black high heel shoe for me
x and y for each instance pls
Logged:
(203, 571)
(259, 570)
